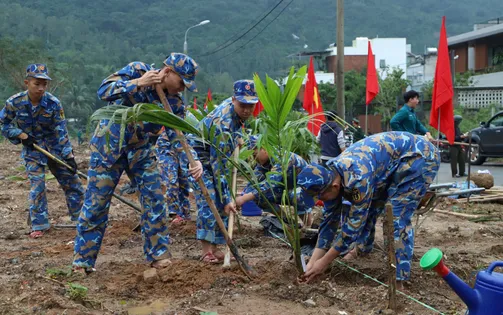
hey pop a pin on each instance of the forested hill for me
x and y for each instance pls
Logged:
(86, 40)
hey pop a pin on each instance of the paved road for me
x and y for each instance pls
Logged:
(496, 169)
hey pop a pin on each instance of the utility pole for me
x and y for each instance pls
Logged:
(340, 60)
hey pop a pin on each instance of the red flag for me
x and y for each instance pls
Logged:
(195, 104)
(258, 108)
(312, 101)
(208, 98)
(372, 82)
(442, 109)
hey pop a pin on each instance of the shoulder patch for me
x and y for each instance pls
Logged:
(356, 195)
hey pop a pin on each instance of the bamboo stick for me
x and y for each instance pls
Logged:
(456, 214)
(455, 143)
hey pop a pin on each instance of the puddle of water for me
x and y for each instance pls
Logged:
(156, 306)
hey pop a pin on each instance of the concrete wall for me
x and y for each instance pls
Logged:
(494, 79)
(420, 73)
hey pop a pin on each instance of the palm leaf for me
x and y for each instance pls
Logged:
(264, 97)
(142, 112)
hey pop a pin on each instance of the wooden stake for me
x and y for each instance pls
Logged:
(389, 232)
(227, 258)
(234, 249)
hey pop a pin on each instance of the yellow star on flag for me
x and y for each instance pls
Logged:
(315, 97)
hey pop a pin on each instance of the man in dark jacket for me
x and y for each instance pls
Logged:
(405, 119)
(456, 151)
(358, 134)
(331, 138)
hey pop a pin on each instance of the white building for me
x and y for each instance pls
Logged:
(421, 68)
(388, 52)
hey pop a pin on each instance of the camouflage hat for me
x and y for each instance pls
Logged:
(252, 142)
(38, 70)
(244, 92)
(186, 67)
(315, 178)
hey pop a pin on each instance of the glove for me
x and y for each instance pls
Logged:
(28, 142)
(71, 162)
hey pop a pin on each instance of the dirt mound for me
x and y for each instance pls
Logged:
(482, 180)
(497, 249)
(185, 228)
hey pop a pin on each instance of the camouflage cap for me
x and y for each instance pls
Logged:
(38, 70)
(244, 92)
(186, 67)
(315, 178)
(252, 142)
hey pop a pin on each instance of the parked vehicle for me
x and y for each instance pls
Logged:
(445, 155)
(489, 137)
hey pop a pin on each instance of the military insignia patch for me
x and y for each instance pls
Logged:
(247, 87)
(62, 113)
(41, 67)
(355, 194)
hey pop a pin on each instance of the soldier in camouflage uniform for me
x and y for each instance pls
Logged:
(224, 124)
(135, 83)
(169, 152)
(36, 117)
(388, 169)
(271, 187)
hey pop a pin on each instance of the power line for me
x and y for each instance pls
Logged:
(242, 30)
(257, 33)
(223, 46)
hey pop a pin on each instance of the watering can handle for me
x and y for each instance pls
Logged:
(494, 265)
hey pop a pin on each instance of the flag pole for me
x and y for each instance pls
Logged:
(366, 119)
(438, 135)
(312, 123)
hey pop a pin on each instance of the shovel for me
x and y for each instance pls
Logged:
(233, 248)
(83, 176)
(227, 258)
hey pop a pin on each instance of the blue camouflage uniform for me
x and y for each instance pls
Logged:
(271, 185)
(169, 153)
(135, 156)
(388, 169)
(225, 126)
(46, 123)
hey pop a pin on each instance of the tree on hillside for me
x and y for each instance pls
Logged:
(354, 92)
(328, 96)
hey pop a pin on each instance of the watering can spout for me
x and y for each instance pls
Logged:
(432, 260)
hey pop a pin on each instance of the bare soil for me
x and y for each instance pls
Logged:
(34, 273)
